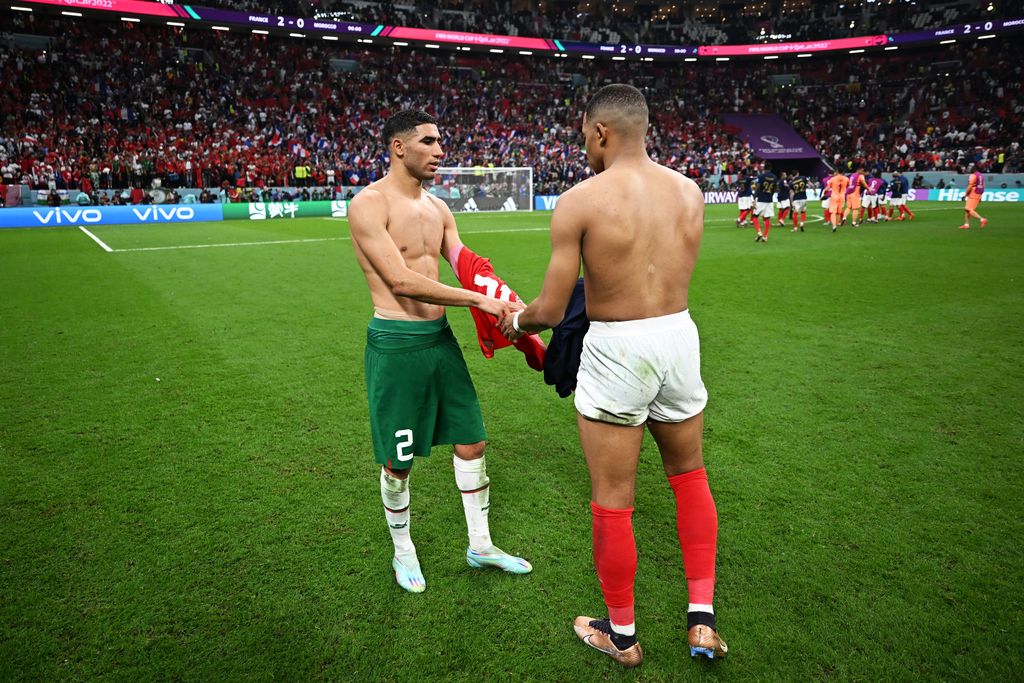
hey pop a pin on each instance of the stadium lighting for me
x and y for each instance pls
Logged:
(71, 14)
(618, 59)
(180, 24)
(990, 35)
(947, 42)
(588, 56)
(496, 50)
(399, 43)
(297, 35)
(330, 37)
(647, 59)
(18, 8)
(260, 31)
(804, 54)
(771, 56)
(856, 52)
(690, 59)
(721, 59)
(220, 28)
(365, 40)
(892, 47)
(526, 52)
(432, 46)
(131, 20)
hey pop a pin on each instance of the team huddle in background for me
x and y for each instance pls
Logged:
(859, 197)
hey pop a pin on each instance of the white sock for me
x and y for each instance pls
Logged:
(471, 478)
(696, 607)
(394, 492)
(623, 629)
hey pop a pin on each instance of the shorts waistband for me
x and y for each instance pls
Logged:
(409, 326)
(630, 328)
(396, 336)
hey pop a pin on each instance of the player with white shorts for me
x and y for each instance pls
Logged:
(764, 209)
(638, 369)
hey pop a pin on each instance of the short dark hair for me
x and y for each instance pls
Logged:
(621, 96)
(404, 122)
(767, 165)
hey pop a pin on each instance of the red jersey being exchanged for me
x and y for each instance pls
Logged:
(475, 273)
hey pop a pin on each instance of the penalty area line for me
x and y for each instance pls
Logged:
(96, 239)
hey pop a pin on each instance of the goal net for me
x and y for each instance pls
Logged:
(484, 189)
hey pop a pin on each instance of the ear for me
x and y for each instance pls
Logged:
(397, 147)
(602, 133)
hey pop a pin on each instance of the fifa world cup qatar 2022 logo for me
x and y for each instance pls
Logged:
(772, 141)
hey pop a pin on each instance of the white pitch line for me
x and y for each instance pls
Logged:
(345, 239)
(232, 244)
(96, 239)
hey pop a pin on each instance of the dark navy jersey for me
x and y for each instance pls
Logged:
(783, 190)
(766, 186)
(799, 187)
(883, 188)
(896, 188)
(746, 186)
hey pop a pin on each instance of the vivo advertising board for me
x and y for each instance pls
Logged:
(73, 216)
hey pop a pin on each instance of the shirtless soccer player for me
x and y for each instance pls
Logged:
(637, 227)
(419, 388)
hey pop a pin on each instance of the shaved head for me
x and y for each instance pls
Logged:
(620, 107)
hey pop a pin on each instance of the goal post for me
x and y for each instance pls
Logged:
(483, 188)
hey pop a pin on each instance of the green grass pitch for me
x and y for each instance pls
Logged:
(188, 491)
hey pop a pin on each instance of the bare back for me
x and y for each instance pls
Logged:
(413, 230)
(641, 226)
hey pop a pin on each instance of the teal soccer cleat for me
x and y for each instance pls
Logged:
(495, 557)
(408, 574)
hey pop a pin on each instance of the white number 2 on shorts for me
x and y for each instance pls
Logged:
(407, 434)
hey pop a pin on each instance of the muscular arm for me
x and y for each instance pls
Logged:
(563, 269)
(368, 217)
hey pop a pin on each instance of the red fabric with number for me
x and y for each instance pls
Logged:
(475, 273)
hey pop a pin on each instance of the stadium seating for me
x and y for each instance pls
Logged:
(113, 105)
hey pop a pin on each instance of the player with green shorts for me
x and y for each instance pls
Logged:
(419, 389)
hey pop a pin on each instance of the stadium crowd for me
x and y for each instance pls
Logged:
(112, 105)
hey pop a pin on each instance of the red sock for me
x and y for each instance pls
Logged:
(615, 560)
(803, 216)
(828, 216)
(757, 223)
(743, 215)
(782, 216)
(767, 226)
(909, 213)
(697, 523)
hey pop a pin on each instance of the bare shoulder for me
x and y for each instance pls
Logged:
(369, 198)
(580, 195)
(437, 203)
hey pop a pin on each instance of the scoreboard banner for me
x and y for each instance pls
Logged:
(332, 29)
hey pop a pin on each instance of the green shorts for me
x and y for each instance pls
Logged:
(419, 390)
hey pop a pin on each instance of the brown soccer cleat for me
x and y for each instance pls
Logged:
(705, 640)
(593, 632)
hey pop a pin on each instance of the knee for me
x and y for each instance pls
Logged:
(397, 475)
(472, 451)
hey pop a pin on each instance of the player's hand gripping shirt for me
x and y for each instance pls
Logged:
(475, 273)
